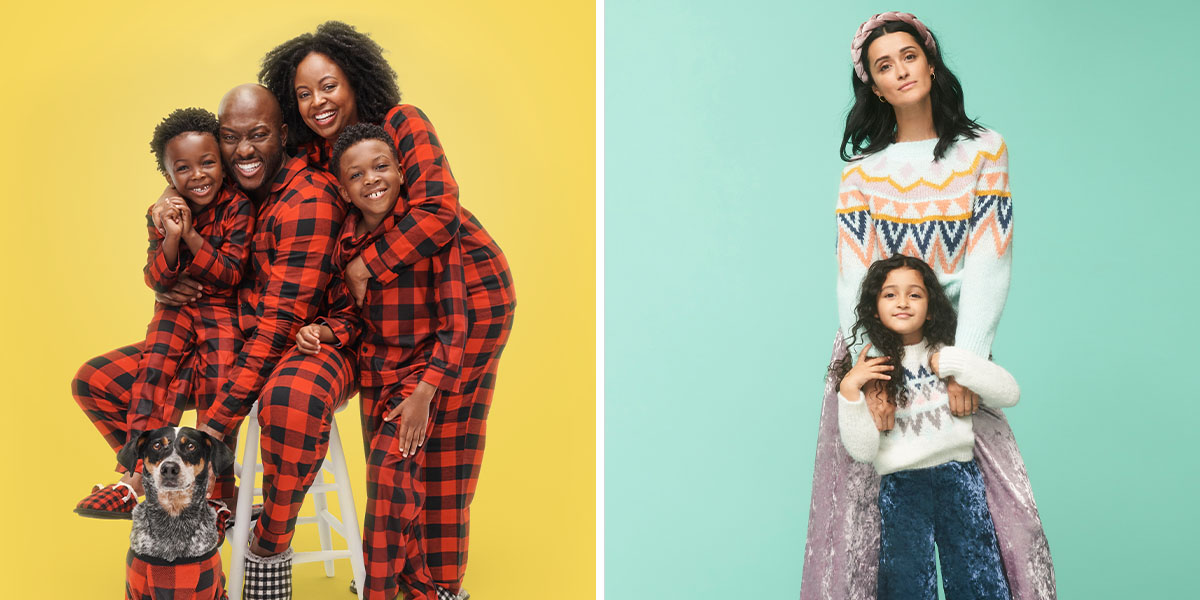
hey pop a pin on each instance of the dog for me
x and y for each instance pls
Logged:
(173, 547)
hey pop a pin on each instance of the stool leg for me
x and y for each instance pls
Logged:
(337, 459)
(321, 506)
(240, 542)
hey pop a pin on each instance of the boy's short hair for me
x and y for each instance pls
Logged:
(181, 120)
(353, 135)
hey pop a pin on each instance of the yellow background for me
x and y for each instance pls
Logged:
(511, 90)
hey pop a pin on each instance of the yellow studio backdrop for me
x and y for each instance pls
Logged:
(511, 90)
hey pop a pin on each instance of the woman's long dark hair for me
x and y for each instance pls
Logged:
(360, 58)
(938, 330)
(871, 124)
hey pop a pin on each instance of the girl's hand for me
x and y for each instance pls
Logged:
(864, 371)
(356, 276)
(963, 401)
(882, 411)
(162, 206)
(308, 339)
(414, 416)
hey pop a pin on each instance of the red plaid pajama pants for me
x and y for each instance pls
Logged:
(295, 413)
(454, 451)
(103, 388)
(393, 548)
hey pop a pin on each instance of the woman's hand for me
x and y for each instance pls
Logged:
(308, 339)
(864, 371)
(414, 417)
(162, 206)
(882, 411)
(185, 291)
(963, 401)
(356, 279)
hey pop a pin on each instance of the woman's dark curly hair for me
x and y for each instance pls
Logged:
(360, 58)
(353, 135)
(181, 120)
(938, 330)
(871, 124)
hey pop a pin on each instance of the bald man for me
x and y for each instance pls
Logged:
(298, 217)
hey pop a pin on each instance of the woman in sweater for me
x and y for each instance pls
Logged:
(926, 181)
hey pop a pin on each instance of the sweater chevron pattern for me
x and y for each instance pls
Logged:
(955, 214)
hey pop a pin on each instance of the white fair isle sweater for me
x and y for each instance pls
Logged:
(926, 434)
(955, 214)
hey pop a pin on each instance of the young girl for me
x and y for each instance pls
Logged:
(931, 491)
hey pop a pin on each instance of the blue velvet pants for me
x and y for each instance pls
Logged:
(945, 505)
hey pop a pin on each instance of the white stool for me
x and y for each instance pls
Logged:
(348, 527)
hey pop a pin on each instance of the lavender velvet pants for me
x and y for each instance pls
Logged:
(841, 556)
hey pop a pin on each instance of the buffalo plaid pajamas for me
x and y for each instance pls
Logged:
(209, 326)
(412, 330)
(428, 220)
(292, 263)
(150, 578)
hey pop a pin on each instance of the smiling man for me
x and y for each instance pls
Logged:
(298, 216)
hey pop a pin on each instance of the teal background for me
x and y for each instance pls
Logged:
(722, 124)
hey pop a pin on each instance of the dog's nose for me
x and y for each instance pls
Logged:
(170, 470)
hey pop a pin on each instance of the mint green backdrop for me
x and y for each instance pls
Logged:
(722, 123)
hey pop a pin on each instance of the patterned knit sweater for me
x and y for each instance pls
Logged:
(955, 214)
(926, 434)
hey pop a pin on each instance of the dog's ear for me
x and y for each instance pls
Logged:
(128, 456)
(220, 456)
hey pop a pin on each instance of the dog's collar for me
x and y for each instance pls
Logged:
(182, 560)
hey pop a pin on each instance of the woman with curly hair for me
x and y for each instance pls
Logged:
(923, 180)
(331, 79)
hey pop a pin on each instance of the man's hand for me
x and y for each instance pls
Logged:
(185, 291)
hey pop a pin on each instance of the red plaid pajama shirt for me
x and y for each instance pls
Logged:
(430, 218)
(292, 264)
(411, 330)
(198, 578)
(209, 327)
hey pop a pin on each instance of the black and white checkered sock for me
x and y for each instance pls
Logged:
(445, 594)
(268, 578)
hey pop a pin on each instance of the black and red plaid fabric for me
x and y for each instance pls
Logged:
(209, 327)
(226, 226)
(429, 219)
(295, 411)
(108, 502)
(149, 578)
(415, 323)
(392, 536)
(291, 264)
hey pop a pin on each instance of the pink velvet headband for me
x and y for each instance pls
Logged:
(865, 30)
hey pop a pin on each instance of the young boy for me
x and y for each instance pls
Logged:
(187, 348)
(413, 335)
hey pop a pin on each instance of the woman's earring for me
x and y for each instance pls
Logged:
(882, 100)
(932, 75)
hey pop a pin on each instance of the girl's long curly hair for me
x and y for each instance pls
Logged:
(871, 124)
(360, 58)
(938, 329)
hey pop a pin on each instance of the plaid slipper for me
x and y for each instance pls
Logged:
(268, 578)
(114, 501)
